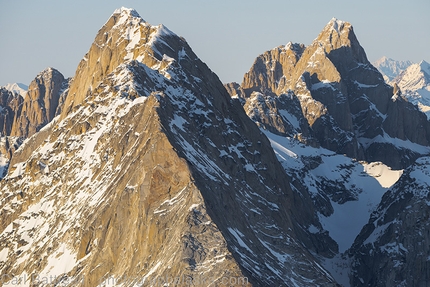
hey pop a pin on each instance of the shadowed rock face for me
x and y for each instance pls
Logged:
(393, 248)
(347, 105)
(10, 106)
(153, 171)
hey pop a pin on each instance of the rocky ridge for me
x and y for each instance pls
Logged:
(24, 114)
(40, 104)
(11, 104)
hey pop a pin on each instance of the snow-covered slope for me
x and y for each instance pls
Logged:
(345, 182)
(414, 83)
(415, 77)
(18, 88)
(382, 173)
(390, 68)
(345, 192)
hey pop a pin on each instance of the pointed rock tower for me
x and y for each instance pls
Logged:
(153, 174)
(40, 104)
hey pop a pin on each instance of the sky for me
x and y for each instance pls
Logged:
(226, 35)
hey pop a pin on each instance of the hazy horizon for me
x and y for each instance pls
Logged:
(227, 36)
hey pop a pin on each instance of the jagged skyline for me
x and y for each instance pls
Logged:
(312, 172)
(227, 35)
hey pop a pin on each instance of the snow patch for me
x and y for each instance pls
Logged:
(290, 118)
(382, 173)
(60, 262)
(238, 236)
(364, 86)
(19, 170)
(324, 84)
(4, 254)
(313, 229)
(398, 143)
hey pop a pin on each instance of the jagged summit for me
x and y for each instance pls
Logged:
(130, 17)
(124, 38)
(337, 25)
(297, 48)
(47, 73)
(127, 11)
(339, 34)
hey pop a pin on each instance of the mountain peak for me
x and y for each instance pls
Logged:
(125, 37)
(296, 47)
(414, 77)
(337, 34)
(425, 67)
(337, 25)
(127, 11)
(384, 59)
(126, 16)
(18, 88)
(129, 17)
(47, 72)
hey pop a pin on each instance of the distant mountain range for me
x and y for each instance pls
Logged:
(17, 88)
(145, 170)
(390, 68)
(412, 79)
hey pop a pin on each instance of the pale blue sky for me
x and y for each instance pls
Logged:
(227, 35)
